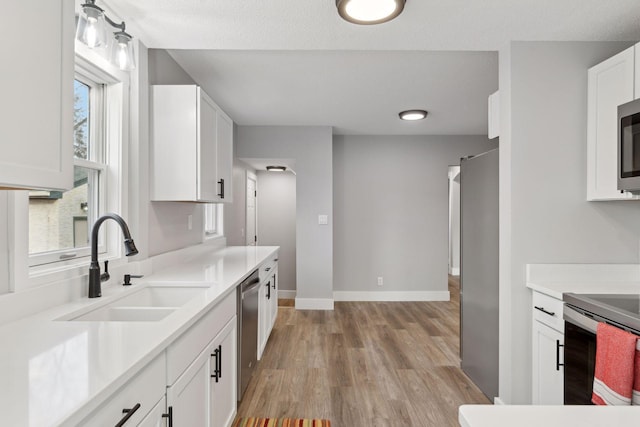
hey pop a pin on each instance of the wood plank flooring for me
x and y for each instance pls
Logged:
(365, 364)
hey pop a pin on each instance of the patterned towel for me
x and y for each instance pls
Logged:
(282, 422)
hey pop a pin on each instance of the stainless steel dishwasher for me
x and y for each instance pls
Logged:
(247, 330)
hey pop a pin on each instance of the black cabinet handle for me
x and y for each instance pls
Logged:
(221, 193)
(273, 285)
(267, 269)
(169, 415)
(217, 371)
(129, 413)
(550, 313)
(268, 291)
(220, 361)
(558, 364)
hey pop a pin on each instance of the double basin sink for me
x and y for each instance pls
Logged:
(149, 304)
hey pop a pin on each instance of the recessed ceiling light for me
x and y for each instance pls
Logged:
(413, 115)
(369, 12)
(276, 168)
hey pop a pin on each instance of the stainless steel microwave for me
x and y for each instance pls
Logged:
(629, 147)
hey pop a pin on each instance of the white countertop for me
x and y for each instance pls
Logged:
(55, 372)
(548, 416)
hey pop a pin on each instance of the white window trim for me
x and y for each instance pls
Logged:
(219, 231)
(21, 276)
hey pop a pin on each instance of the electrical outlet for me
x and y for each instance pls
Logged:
(323, 219)
(190, 222)
(380, 281)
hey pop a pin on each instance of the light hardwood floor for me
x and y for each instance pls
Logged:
(365, 364)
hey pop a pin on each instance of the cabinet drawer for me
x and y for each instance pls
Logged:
(267, 267)
(548, 310)
(146, 389)
(183, 351)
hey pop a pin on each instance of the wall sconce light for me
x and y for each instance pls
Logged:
(92, 31)
(84, 206)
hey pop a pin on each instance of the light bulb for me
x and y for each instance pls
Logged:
(371, 10)
(91, 33)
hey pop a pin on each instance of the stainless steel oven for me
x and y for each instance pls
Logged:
(582, 313)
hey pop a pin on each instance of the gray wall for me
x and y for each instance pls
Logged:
(4, 249)
(277, 222)
(311, 148)
(235, 214)
(168, 220)
(545, 217)
(391, 208)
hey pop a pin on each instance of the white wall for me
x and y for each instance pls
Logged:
(545, 217)
(4, 249)
(391, 210)
(167, 229)
(310, 147)
(277, 222)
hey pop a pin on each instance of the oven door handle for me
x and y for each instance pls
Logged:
(579, 319)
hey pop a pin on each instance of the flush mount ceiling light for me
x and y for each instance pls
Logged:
(412, 115)
(369, 12)
(92, 31)
(276, 168)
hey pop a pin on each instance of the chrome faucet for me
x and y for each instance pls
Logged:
(95, 278)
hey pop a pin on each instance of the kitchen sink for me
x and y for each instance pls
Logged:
(149, 304)
(159, 296)
(126, 314)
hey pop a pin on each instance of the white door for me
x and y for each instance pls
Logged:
(548, 358)
(252, 232)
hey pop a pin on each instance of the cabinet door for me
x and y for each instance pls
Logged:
(224, 140)
(207, 173)
(274, 300)
(610, 84)
(637, 69)
(548, 357)
(36, 105)
(263, 310)
(189, 398)
(223, 384)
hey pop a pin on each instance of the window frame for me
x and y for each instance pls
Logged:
(215, 210)
(96, 161)
(116, 127)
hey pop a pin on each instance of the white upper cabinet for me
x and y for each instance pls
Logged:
(36, 101)
(192, 146)
(494, 115)
(610, 84)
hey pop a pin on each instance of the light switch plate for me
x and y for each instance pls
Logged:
(323, 219)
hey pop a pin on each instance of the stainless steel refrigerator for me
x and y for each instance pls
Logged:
(479, 270)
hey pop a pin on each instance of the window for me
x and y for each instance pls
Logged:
(59, 221)
(213, 213)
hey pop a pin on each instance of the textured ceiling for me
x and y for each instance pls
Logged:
(296, 62)
(424, 24)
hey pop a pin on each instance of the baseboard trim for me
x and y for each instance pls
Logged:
(286, 294)
(498, 401)
(392, 296)
(454, 272)
(314, 304)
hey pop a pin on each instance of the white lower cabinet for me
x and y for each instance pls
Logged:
(547, 351)
(189, 398)
(224, 385)
(134, 400)
(267, 302)
(205, 394)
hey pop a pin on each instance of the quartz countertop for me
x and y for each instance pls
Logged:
(57, 372)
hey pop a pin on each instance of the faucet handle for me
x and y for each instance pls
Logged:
(128, 277)
(105, 276)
